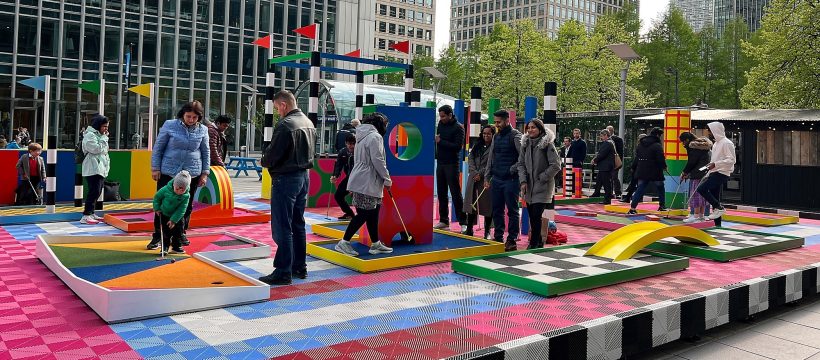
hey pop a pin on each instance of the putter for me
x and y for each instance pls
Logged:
(668, 209)
(478, 197)
(409, 236)
(162, 243)
(36, 195)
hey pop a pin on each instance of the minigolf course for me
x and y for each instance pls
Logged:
(738, 216)
(625, 242)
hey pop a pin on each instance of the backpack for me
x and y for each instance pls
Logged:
(79, 154)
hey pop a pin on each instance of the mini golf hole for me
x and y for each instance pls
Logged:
(217, 283)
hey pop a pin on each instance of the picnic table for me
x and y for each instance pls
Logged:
(243, 164)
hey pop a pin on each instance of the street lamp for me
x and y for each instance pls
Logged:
(626, 54)
(437, 75)
(673, 71)
(251, 106)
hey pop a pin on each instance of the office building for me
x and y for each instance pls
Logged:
(397, 21)
(472, 18)
(198, 50)
(700, 13)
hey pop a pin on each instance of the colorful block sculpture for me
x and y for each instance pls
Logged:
(677, 122)
(320, 191)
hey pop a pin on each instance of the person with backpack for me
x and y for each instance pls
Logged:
(650, 168)
(501, 178)
(605, 162)
(697, 153)
(538, 162)
(32, 170)
(96, 165)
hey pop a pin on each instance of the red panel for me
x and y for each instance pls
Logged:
(414, 196)
(8, 175)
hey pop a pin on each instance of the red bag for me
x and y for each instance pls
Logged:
(556, 237)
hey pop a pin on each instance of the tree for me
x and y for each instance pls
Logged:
(731, 65)
(397, 78)
(708, 65)
(451, 64)
(787, 70)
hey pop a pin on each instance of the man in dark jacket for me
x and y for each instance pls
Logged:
(578, 152)
(650, 168)
(449, 143)
(501, 177)
(605, 162)
(619, 148)
(341, 135)
(217, 141)
(344, 163)
(288, 158)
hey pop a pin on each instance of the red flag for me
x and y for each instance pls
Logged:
(355, 53)
(403, 46)
(309, 31)
(263, 42)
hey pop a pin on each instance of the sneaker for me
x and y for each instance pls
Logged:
(662, 208)
(690, 219)
(272, 280)
(701, 219)
(379, 248)
(441, 226)
(510, 245)
(88, 220)
(488, 236)
(177, 250)
(153, 244)
(716, 213)
(95, 217)
(302, 274)
(463, 229)
(345, 217)
(626, 199)
(632, 212)
(184, 240)
(344, 247)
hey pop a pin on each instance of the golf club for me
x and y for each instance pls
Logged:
(392, 198)
(162, 243)
(668, 209)
(478, 197)
(36, 195)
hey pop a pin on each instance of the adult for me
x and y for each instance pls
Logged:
(564, 152)
(96, 165)
(449, 142)
(14, 143)
(634, 183)
(341, 135)
(344, 163)
(721, 165)
(501, 177)
(538, 162)
(182, 144)
(368, 179)
(697, 153)
(288, 158)
(649, 170)
(3, 142)
(619, 149)
(217, 143)
(477, 163)
(577, 149)
(605, 162)
(23, 135)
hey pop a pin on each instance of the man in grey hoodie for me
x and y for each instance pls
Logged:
(720, 168)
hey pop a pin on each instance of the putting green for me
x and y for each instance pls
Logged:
(75, 257)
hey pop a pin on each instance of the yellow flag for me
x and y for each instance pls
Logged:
(144, 89)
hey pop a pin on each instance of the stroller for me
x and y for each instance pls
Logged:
(27, 194)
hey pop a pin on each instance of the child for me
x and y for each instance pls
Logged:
(170, 203)
(32, 168)
(344, 162)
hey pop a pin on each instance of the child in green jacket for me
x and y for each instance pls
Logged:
(170, 203)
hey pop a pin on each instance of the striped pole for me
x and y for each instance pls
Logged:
(99, 204)
(359, 95)
(313, 100)
(416, 99)
(408, 85)
(568, 178)
(51, 176)
(475, 111)
(370, 99)
(78, 186)
(270, 86)
(551, 106)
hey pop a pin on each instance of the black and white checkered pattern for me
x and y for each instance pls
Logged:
(638, 330)
(800, 214)
(730, 239)
(563, 264)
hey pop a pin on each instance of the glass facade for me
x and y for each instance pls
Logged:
(192, 49)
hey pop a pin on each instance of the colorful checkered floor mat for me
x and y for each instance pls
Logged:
(427, 312)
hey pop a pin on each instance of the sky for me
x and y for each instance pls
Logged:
(649, 10)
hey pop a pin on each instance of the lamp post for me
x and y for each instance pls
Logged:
(625, 53)
(437, 77)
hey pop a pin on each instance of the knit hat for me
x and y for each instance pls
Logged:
(97, 121)
(182, 180)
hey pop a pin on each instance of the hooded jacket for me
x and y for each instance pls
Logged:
(180, 147)
(170, 203)
(95, 147)
(538, 163)
(650, 159)
(369, 175)
(477, 164)
(723, 151)
(697, 153)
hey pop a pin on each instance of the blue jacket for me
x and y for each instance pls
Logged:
(504, 151)
(179, 147)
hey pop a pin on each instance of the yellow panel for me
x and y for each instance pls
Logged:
(622, 209)
(142, 185)
(189, 273)
(127, 246)
(265, 185)
(325, 230)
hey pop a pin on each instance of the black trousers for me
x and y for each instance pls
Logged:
(370, 217)
(172, 237)
(605, 179)
(164, 180)
(535, 211)
(340, 194)
(472, 220)
(447, 177)
(95, 188)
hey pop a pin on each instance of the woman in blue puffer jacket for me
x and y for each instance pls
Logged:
(182, 144)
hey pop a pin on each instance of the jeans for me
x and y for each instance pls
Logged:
(447, 177)
(505, 193)
(186, 219)
(710, 188)
(340, 194)
(639, 191)
(287, 221)
(95, 188)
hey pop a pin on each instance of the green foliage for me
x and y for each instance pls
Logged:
(787, 56)
(397, 78)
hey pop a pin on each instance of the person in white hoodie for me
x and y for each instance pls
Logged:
(720, 167)
(366, 183)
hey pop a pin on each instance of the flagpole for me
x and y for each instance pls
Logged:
(46, 110)
(127, 100)
(151, 116)
(316, 40)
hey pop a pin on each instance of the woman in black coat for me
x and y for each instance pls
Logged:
(651, 164)
(697, 152)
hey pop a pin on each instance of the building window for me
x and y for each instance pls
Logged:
(382, 45)
(428, 35)
(391, 28)
(402, 13)
(420, 33)
(383, 9)
(411, 15)
(382, 26)
(401, 30)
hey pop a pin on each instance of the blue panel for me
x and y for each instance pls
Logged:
(458, 111)
(530, 108)
(100, 273)
(363, 60)
(65, 174)
(424, 120)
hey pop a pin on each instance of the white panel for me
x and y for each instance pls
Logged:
(51, 183)
(408, 84)
(313, 105)
(78, 191)
(268, 133)
(269, 107)
(270, 80)
(52, 157)
(475, 130)
(550, 102)
(359, 89)
(314, 74)
(475, 104)
(359, 113)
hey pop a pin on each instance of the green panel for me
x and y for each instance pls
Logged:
(675, 167)
(492, 106)
(287, 58)
(72, 257)
(431, 104)
(386, 70)
(369, 109)
(121, 171)
(705, 252)
(584, 200)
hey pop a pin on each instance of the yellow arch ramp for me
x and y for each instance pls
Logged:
(621, 244)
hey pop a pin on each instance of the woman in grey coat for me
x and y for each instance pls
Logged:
(477, 162)
(538, 163)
